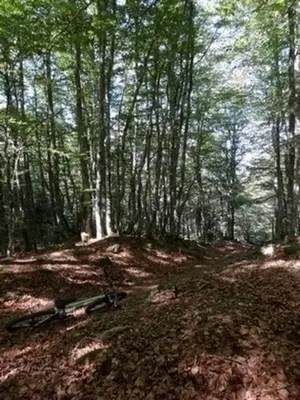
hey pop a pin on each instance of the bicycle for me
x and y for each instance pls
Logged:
(64, 307)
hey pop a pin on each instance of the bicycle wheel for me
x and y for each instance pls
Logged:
(32, 320)
(104, 302)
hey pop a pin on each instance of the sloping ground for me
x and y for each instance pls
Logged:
(233, 332)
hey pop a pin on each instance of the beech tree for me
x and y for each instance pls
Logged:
(125, 118)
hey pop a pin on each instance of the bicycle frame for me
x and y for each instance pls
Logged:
(63, 308)
(71, 307)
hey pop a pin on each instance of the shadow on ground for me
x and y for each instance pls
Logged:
(232, 333)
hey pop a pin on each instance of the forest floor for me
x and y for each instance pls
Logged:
(233, 332)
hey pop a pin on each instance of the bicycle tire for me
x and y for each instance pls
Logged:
(102, 304)
(14, 324)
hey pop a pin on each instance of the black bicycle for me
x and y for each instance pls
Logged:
(63, 308)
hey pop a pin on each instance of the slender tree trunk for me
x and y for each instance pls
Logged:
(101, 179)
(53, 157)
(174, 100)
(29, 206)
(11, 197)
(186, 116)
(86, 202)
(110, 216)
(290, 167)
(280, 228)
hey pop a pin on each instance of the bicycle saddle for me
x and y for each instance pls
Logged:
(61, 303)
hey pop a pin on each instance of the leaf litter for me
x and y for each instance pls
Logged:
(232, 332)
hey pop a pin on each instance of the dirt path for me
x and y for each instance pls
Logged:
(233, 332)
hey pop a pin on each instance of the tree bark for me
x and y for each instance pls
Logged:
(290, 167)
(86, 201)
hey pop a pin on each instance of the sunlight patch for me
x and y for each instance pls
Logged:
(294, 265)
(123, 258)
(143, 288)
(125, 253)
(227, 279)
(62, 265)
(8, 375)
(164, 298)
(243, 263)
(235, 269)
(180, 259)
(27, 303)
(86, 272)
(19, 352)
(17, 269)
(26, 260)
(62, 255)
(162, 262)
(83, 281)
(138, 273)
(162, 254)
(77, 324)
(80, 352)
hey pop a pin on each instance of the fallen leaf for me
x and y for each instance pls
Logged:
(284, 394)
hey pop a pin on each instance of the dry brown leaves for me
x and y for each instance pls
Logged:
(233, 333)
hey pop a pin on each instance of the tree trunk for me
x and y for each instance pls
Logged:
(29, 205)
(279, 224)
(290, 167)
(101, 179)
(53, 159)
(110, 217)
(86, 202)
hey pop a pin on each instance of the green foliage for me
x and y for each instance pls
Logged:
(136, 103)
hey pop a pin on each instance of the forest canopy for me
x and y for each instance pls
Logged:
(151, 118)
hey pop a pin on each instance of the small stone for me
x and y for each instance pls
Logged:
(194, 370)
(11, 295)
(115, 248)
